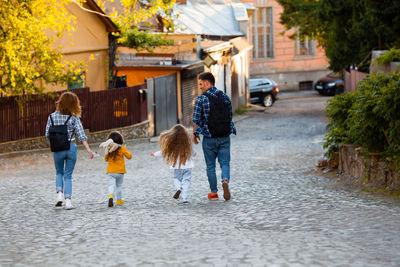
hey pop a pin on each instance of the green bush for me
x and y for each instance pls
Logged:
(392, 55)
(369, 118)
(338, 129)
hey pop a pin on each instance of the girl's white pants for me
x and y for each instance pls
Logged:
(182, 179)
(115, 184)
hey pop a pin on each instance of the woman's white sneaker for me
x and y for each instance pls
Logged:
(59, 199)
(68, 204)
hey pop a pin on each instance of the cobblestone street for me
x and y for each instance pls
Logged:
(282, 212)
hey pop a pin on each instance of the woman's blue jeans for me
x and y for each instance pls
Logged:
(64, 161)
(214, 148)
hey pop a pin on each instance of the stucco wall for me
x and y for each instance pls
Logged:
(290, 80)
(138, 75)
(89, 43)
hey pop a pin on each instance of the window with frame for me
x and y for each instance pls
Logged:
(77, 81)
(262, 34)
(305, 47)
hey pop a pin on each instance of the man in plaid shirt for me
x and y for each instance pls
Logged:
(213, 147)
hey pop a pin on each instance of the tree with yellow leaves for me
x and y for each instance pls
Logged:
(27, 54)
(28, 29)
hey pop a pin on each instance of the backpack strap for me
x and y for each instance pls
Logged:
(51, 119)
(67, 120)
(73, 131)
(52, 122)
(209, 96)
(218, 94)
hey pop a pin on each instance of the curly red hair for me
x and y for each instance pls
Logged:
(68, 104)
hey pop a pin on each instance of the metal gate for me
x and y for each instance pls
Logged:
(166, 114)
(189, 95)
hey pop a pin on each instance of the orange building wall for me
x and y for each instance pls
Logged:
(136, 76)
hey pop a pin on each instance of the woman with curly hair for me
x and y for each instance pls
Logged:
(68, 111)
(177, 152)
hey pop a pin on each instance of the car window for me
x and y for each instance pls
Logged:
(254, 83)
(258, 82)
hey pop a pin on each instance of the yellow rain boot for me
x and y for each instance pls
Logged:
(119, 202)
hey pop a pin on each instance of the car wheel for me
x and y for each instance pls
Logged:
(267, 101)
(339, 90)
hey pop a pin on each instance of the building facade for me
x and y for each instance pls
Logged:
(221, 27)
(293, 64)
(90, 44)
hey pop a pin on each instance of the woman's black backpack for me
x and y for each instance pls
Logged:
(219, 119)
(58, 136)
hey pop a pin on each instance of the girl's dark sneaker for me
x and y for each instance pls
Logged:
(213, 196)
(225, 186)
(177, 194)
(110, 200)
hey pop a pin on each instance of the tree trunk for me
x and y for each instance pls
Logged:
(113, 46)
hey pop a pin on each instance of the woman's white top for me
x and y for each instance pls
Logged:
(188, 164)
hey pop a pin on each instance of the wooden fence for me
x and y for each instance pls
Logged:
(101, 110)
(352, 78)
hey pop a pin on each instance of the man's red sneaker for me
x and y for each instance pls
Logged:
(225, 186)
(213, 196)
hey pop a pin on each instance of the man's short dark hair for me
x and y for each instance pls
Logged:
(207, 76)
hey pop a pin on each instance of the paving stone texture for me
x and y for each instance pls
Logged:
(282, 212)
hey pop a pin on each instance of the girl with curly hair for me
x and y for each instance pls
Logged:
(177, 152)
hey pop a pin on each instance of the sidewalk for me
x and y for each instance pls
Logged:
(284, 95)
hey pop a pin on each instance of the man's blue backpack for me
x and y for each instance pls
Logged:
(58, 136)
(219, 119)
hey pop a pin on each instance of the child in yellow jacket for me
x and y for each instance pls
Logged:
(115, 151)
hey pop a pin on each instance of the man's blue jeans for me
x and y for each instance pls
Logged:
(214, 148)
(64, 161)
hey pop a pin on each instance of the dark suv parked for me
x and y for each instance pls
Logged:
(264, 91)
(329, 85)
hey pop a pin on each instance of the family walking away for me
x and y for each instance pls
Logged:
(61, 127)
(212, 118)
(177, 152)
(115, 151)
